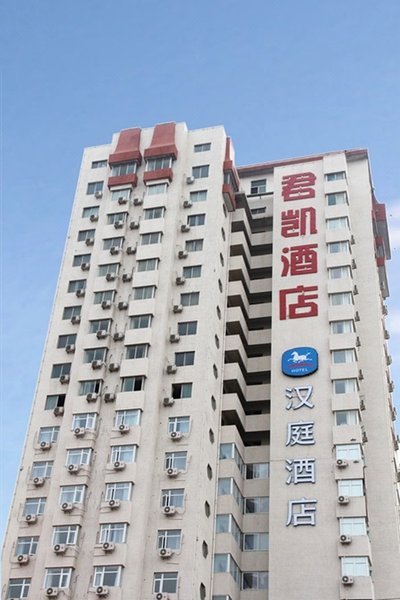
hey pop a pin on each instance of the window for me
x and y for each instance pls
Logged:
(54, 401)
(346, 326)
(107, 576)
(113, 532)
(72, 493)
(140, 321)
(156, 164)
(86, 234)
(146, 239)
(227, 524)
(42, 468)
(357, 566)
(166, 583)
(257, 471)
(258, 504)
(351, 487)
(60, 369)
(66, 340)
(90, 386)
(339, 272)
(137, 351)
(104, 296)
(353, 526)
(76, 284)
(338, 223)
(117, 194)
(348, 452)
(65, 534)
(80, 259)
(18, 588)
(198, 196)
(34, 506)
(90, 211)
(154, 213)
(169, 538)
(340, 299)
(255, 541)
(125, 168)
(48, 434)
(118, 491)
(78, 456)
(255, 580)
(229, 451)
(182, 390)
(99, 325)
(192, 272)
(84, 421)
(128, 417)
(202, 147)
(99, 164)
(194, 245)
(201, 171)
(144, 292)
(172, 497)
(181, 424)
(176, 460)
(133, 384)
(343, 356)
(335, 176)
(158, 188)
(118, 217)
(346, 417)
(148, 264)
(27, 545)
(112, 268)
(125, 453)
(92, 354)
(187, 328)
(196, 220)
(190, 299)
(114, 242)
(93, 187)
(345, 386)
(184, 359)
(224, 563)
(71, 311)
(258, 211)
(221, 598)
(227, 486)
(258, 186)
(337, 198)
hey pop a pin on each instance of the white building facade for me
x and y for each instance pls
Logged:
(213, 416)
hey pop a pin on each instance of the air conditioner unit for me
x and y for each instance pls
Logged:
(109, 397)
(165, 552)
(341, 463)
(168, 510)
(80, 293)
(391, 386)
(171, 369)
(79, 431)
(137, 201)
(347, 580)
(85, 266)
(23, 559)
(119, 465)
(108, 546)
(389, 359)
(101, 334)
(118, 224)
(111, 276)
(52, 592)
(360, 374)
(98, 194)
(106, 304)
(168, 401)
(182, 254)
(174, 337)
(67, 507)
(355, 290)
(134, 225)
(175, 435)
(114, 503)
(122, 200)
(124, 428)
(97, 364)
(45, 445)
(38, 481)
(75, 319)
(64, 379)
(362, 403)
(161, 596)
(131, 250)
(358, 342)
(357, 316)
(118, 336)
(352, 240)
(364, 437)
(115, 250)
(190, 179)
(185, 228)
(353, 264)
(73, 469)
(113, 367)
(58, 411)
(123, 305)
(386, 334)
(126, 277)
(345, 539)
(178, 308)
(384, 309)
(70, 348)
(172, 472)
(180, 280)
(30, 519)
(187, 204)
(91, 397)
(94, 218)
(343, 499)
(59, 548)
(102, 591)
(89, 241)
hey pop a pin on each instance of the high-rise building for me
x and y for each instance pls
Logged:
(213, 416)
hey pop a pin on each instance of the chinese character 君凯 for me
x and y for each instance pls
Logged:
(298, 222)
(301, 512)
(302, 470)
(298, 186)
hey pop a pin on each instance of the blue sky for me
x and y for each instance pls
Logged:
(285, 78)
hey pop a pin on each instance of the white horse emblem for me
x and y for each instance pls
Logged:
(298, 358)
